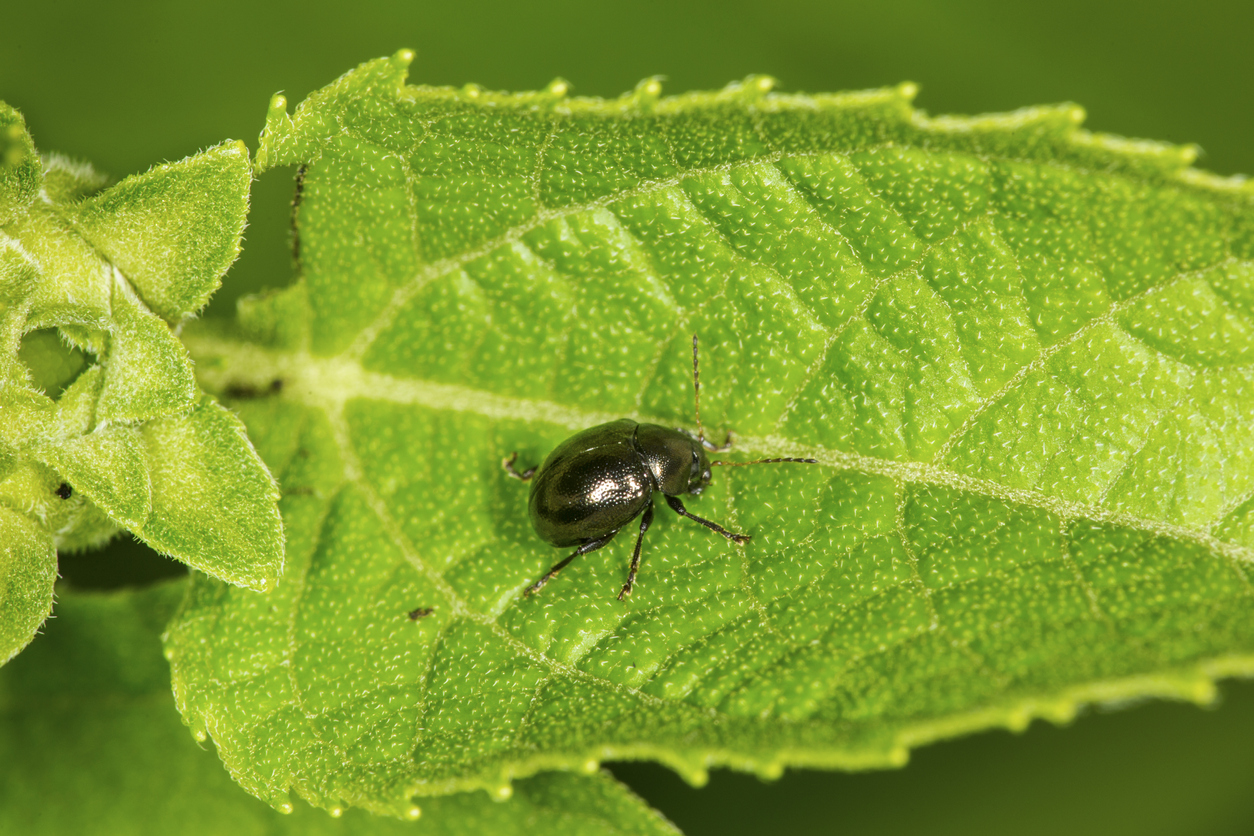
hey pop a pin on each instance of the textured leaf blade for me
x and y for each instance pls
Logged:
(87, 712)
(1017, 349)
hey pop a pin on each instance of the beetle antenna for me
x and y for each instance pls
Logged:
(765, 461)
(696, 392)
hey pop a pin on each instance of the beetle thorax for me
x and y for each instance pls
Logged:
(675, 459)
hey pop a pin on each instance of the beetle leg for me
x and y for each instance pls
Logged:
(645, 522)
(717, 448)
(678, 508)
(590, 546)
(508, 464)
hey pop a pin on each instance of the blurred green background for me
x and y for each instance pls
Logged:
(129, 85)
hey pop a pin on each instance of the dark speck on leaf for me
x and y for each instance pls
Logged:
(244, 391)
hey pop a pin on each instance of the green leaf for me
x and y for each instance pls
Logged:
(28, 569)
(1020, 352)
(18, 164)
(102, 424)
(90, 742)
(142, 226)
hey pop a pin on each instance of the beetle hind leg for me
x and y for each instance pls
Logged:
(508, 464)
(590, 546)
(645, 522)
(678, 508)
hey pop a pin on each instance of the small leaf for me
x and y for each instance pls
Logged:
(175, 229)
(28, 569)
(150, 375)
(105, 462)
(86, 715)
(1020, 353)
(213, 501)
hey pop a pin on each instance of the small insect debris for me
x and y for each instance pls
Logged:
(247, 391)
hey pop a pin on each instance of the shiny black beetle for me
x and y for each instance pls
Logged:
(602, 478)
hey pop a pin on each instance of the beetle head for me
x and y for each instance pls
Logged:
(699, 474)
(675, 458)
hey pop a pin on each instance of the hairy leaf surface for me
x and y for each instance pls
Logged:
(102, 425)
(90, 742)
(1020, 352)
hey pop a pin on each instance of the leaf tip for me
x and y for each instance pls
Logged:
(235, 148)
(693, 775)
(770, 770)
(413, 813)
(752, 87)
(1189, 153)
(1019, 720)
(502, 792)
(1202, 692)
(649, 89)
(279, 127)
(1060, 712)
(398, 68)
(558, 88)
(907, 91)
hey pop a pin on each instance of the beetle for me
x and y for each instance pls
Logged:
(600, 479)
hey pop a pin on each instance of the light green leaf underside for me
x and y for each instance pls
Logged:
(1021, 353)
(96, 391)
(90, 742)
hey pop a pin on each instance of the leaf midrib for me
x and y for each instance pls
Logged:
(329, 383)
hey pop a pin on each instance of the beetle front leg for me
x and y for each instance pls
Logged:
(508, 464)
(718, 448)
(645, 522)
(590, 546)
(678, 508)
